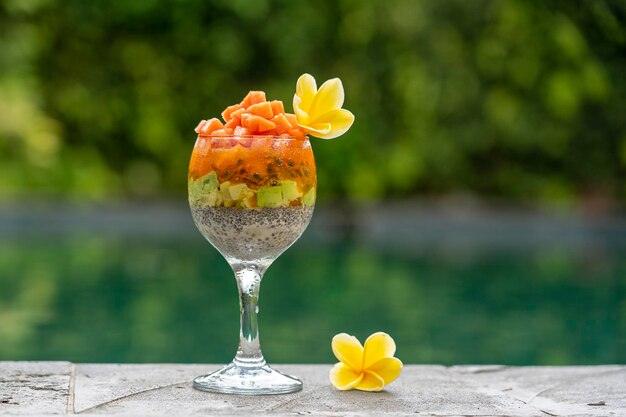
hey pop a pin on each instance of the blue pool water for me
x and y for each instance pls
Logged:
(107, 286)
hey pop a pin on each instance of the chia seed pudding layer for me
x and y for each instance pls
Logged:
(248, 234)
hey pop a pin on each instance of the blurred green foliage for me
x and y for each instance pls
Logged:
(89, 298)
(523, 100)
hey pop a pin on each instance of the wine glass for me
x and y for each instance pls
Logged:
(251, 197)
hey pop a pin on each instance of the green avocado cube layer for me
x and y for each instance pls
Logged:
(271, 197)
(290, 191)
(204, 191)
(308, 199)
(195, 191)
(209, 181)
(225, 191)
(207, 191)
(247, 202)
(238, 191)
(211, 199)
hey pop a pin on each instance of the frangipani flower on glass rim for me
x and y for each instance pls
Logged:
(366, 368)
(319, 111)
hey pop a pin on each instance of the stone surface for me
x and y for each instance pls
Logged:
(30, 388)
(105, 385)
(43, 389)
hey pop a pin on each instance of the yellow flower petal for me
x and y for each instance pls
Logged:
(329, 97)
(319, 110)
(317, 129)
(301, 115)
(344, 378)
(337, 116)
(340, 121)
(370, 382)
(388, 369)
(306, 87)
(348, 350)
(378, 346)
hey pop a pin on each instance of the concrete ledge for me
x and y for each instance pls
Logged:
(53, 388)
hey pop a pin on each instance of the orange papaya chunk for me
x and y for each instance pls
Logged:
(292, 119)
(233, 123)
(227, 113)
(244, 118)
(237, 114)
(253, 97)
(219, 132)
(210, 126)
(261, 109)
(297, 134)
(256, 124)
(241, 131)
(277, 106)
(282, 123)
(198, 128)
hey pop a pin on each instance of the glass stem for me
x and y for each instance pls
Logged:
(249, 283)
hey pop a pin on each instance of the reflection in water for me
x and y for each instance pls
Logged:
(105, 299)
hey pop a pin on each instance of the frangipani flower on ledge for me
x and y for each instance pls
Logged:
(366, 368)
(319, 112)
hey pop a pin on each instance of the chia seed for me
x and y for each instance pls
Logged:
(249, 234)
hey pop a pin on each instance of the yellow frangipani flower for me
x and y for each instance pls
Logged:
(367, 368)
(319, 112)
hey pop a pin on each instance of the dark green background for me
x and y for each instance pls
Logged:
(519, 100)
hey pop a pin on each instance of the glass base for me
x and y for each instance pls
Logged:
(261, 380)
